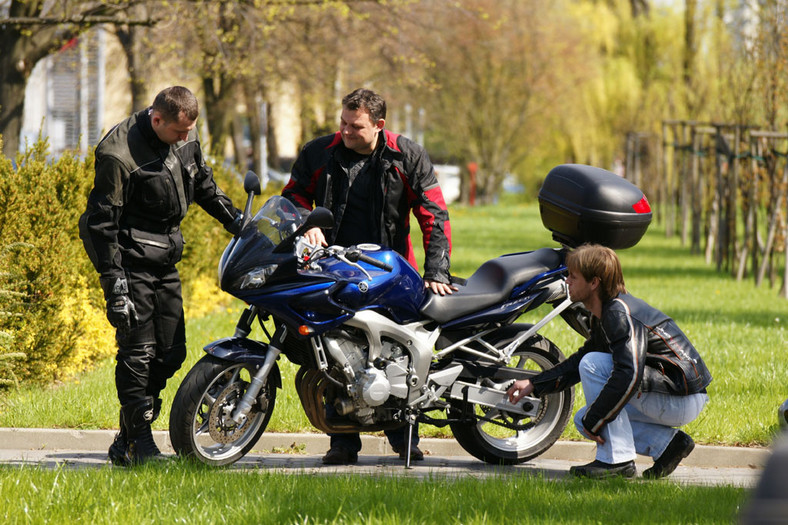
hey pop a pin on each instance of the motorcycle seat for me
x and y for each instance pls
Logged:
(491, 283)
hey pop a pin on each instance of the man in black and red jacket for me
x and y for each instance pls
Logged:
(371, 179)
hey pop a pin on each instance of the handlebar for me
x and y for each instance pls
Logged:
(355, 255)
(307, 253)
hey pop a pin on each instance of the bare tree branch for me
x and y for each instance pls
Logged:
(78, 20)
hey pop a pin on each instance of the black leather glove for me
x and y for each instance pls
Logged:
(234, 227)
(121, 312)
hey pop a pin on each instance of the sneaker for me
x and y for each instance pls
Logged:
(600, 470)
(679, 448)
(340, 456)
(415, 453)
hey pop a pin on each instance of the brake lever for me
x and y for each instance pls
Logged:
(341, 256)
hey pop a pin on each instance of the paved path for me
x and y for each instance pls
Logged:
(301, 453)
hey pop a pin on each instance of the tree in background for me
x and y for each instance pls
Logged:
(515, 86)
(500, 72)
(31, 30)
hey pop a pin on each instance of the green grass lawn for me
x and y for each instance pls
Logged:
(740, 331)
(178, 492)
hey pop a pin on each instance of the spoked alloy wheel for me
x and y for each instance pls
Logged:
(201, 426)
(497, 444)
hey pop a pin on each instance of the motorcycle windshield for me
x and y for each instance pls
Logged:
(249, 261)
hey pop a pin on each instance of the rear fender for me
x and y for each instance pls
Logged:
(243, 350)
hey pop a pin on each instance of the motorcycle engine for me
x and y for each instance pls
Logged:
(368, 384)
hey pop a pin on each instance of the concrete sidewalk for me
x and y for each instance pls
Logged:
(300, 453)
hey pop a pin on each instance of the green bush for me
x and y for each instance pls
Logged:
(43, 267)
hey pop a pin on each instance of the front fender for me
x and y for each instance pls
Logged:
(244, 350)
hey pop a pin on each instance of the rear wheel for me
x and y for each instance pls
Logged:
(494, 443)
(200, 422)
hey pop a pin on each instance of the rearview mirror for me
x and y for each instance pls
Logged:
(252, 183)
(321, 218)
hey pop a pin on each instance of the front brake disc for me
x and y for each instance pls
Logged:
(220, 425)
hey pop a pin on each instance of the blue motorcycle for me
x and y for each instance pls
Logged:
(383, 352)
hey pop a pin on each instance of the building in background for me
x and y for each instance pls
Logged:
(64, 99)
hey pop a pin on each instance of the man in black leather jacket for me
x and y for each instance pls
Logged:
(149, 169)
(371, 179)
(641, 376)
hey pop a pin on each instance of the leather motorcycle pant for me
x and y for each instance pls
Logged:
(155, 348)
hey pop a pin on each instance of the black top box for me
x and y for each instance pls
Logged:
(583, 204)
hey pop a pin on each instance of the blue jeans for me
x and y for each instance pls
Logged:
(647, 423)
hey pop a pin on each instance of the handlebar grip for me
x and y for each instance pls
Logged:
(374, 262)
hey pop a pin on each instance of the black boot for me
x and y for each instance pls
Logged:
(156, 408)
(137, 417)
(118, 450)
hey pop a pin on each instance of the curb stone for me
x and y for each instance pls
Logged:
(704, 456)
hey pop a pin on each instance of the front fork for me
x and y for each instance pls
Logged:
(242, 329)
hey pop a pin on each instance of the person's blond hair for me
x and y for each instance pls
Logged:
(595, 260)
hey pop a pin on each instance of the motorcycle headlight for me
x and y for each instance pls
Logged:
(258, 277)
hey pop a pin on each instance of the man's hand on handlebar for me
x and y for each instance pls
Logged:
(315, 236)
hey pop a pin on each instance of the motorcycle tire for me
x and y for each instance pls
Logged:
(200, 424)
(499, 445)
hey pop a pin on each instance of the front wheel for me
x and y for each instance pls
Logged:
(488, 438)
(200, 422)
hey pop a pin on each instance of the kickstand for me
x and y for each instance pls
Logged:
(411, 422)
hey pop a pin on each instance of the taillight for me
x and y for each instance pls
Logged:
(642, 206)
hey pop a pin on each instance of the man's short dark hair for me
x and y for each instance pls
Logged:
(368, 100)
(173, 101)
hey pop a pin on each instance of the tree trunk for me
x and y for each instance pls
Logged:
(690, 50)
(21, 52)
(130, 39)
(12, 97)
(220, 100)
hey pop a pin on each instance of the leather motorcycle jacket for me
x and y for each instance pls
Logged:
(407, 181)
(143, 188)
(650, 354)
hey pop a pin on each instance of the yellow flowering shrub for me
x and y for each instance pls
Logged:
(202, 296)
(94, 339)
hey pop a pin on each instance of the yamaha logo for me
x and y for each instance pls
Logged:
(362, 286)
